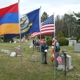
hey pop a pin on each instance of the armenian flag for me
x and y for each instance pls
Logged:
(9, 20)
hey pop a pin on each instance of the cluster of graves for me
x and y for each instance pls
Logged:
(16, 52)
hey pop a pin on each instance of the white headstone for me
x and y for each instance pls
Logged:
(72, 42)
(14, 41)
(77, 47)
(13, 54)
(68, 64)
(31, 45)
(7, 51)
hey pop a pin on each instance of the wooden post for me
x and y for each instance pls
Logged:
(65, 63)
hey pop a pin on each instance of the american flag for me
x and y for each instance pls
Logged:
(47, 27)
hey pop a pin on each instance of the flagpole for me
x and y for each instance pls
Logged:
(20, 38)
(40, 22)
(54, 42)
(40, 35)
(40, 26)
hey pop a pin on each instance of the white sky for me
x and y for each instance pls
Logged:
(59, 7)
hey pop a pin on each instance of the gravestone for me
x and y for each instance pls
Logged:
(72, 42)
(17, 50)
(31, 45)
(14, 41)
(77, 47)
(7, 51)
(68, 64)
(34, 58)
(13, 54)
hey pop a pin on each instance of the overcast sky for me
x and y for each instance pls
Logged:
(59, 7)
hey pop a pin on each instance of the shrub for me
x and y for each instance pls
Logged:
(49, 42)
(63, 41)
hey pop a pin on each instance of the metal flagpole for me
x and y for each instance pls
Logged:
(40, 35)
(20, 38)
(40, 27)
(54, 43)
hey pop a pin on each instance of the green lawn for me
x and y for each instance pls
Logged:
(23, 68)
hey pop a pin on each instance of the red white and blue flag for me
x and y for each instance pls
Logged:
(47, 27)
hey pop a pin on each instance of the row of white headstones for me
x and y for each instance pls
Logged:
(12, 54)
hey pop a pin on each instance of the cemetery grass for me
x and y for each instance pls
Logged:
(25, 68)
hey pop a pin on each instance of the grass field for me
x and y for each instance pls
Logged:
(23, 68)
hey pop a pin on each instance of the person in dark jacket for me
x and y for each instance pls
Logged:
(44, 49)
(57, 49)
(34, 43)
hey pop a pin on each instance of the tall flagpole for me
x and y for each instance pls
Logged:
(40, 22)
(20, 38)
(40, 36)
(40, 26)
(54, 42)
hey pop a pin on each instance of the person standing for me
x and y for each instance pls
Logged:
(34, 43)
(57, 49)
(40, 43)
(44, 49)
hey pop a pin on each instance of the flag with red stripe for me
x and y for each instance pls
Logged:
(9, 20)
(47, 27)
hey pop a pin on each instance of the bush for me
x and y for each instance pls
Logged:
(49, 42)
(63, 41)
